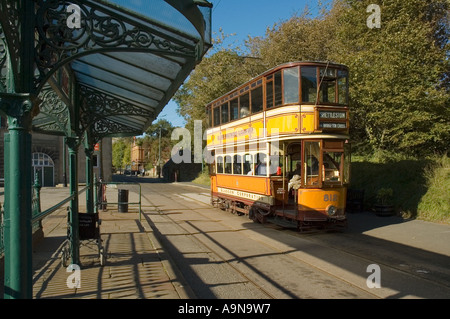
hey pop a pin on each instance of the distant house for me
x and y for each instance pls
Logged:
(183, 172)
(137, 158)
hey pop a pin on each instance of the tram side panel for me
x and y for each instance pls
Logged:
(240, 193)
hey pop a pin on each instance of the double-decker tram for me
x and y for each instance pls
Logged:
(280, 146)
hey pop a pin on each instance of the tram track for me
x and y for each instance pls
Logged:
(283, 252)
(209, 248)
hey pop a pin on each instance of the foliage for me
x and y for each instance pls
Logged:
(435, 204)
(384, 195)
(398, 100)
(217, 74)
(300, 38)
(121, 155)
(121, 152)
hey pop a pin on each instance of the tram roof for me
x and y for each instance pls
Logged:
(123, 65)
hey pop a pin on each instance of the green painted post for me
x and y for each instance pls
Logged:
(89, 180)
(18, 197)
(74, 231)
(95, 195)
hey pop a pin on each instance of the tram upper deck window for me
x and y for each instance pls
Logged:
(224, 110)
(290, 85)
(327, 92)
(278, 89)
(234, 109)
(269, 92)
(257, 100)
(216, 115)
(209, 117)
(244, 103)
(309, 84)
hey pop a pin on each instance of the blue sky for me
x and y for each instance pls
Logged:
(244, 18)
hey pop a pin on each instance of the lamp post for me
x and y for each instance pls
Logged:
(159, 157)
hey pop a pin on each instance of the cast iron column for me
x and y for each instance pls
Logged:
(18, 195)
(73, 144)
(89, 180)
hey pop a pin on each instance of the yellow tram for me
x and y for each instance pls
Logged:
(280, 146)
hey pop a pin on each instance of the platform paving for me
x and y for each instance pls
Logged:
(136, 266)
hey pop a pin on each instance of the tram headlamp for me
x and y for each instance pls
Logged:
(331, 210)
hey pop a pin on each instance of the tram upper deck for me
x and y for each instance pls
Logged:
(291, 101)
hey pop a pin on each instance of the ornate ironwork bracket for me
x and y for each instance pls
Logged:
(19, 109)
(100, 105)
(105, 127)
(101, 31)
(55, 110)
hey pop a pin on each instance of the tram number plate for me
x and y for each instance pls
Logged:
(330, 198)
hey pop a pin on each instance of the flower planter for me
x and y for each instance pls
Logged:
(384, 210)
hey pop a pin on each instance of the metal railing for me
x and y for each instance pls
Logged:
(37, 214)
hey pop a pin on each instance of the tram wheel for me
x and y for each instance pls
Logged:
(252, 214)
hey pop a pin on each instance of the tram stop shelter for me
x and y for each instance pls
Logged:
(85, 70)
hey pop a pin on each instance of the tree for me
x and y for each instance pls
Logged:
(165, 126)
(398, 102)
(399, 73)
(121, 152)
(300, 38)
(217, 74)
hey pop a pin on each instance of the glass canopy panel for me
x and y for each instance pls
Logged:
(118, 92)
(165, 14)
(125, 82)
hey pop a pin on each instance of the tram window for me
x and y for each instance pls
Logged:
(276, 165)
(294, 159)
(278, 89)
(234, 109)
(219, 164)
(309, 84)
(228, 165)
(224, 110)
(257, 100)
(327, 93)
(209, 118)
(290, 85)
(332, 166)
(312, 158)
(237, 165)
(216, 116)
(347, 161)
(248, 165)
(343, 87)
(269, 94)
(244, 103)
(261, 164)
